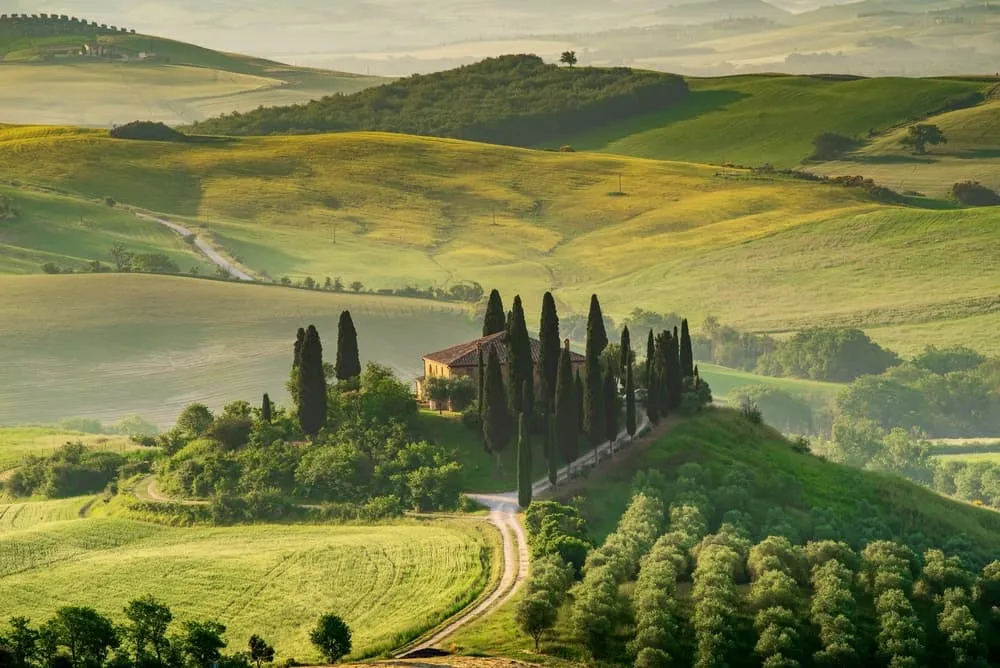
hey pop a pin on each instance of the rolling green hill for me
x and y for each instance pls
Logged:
(763, 252)
(107, 345)
(44, 78)
(388, 582)
(758, 119)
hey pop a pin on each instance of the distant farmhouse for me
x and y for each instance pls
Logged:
(83, 38)
(463, 360)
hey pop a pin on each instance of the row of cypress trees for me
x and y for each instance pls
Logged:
(564, 405)
(670, 371)
(308, 378)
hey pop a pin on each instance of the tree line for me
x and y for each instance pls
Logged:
(149, 637)
(514, 99)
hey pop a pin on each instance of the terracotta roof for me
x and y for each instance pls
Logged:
(467, 354)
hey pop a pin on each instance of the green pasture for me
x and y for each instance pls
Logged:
(17, 442)
(723, 380)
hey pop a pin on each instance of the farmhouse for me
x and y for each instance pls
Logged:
(463, 360)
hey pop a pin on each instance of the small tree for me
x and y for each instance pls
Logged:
(260, 651)
(348, 364)
(148, 621)
(266, 408)
(438, 389)
(357, 286)
(196, 420)
(202, 642)
(332, 637)
(921, 135)
(535, 615)
(568, 58)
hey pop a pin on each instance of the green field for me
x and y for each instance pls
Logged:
(29, 514)
(972, 153)
(762, 253)
(107, 345)
(724, 380)
(182, 84)
(758, 119)
(388, 582)
(16, 442)
(68, 232)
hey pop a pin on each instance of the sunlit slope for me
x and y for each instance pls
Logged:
(386, 581)
(752, 120)
(111, 345)
(388, 210)
(971, 153)
(182, 82)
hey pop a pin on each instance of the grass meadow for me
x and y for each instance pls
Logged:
(106, 345)
(724, 380)
(16, 442)
(762, 253)
(29, 514)
(388, 582)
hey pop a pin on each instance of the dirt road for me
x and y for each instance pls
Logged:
(209, 251)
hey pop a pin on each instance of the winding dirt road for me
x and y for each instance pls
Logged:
(206, 248)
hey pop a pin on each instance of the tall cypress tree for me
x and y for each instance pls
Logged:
(675, 376)
(578, 391)
(348, 360)
(597, 336)
(265, 408)
(567, 426)
(481, 376)
(626, 353)
(293, 376)
(593, 400)
(612, 410)
(687, 352)
(630, 425)
(523, 462)
(495, 319)
(300, 337)
(650, 359)
(548, 354)
(312, 384)
(551, 448)
(496, 419)
(520, 369)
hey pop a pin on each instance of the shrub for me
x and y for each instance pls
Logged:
(750, 411)
(973, 193)
(829, 146)
(332, 637)
(146, 130)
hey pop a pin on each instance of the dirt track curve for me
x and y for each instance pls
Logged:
(209, 251)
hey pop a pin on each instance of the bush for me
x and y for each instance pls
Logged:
(332, 637)
(973, 193)
(146, 130)
(829, 146)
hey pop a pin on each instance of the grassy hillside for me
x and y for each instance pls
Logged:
(972, 153)
(799, 483)
(762, 252)
(752, 120)
(723, 380)
(387, 582)
(16, 442)
(110, 345)
(48, 228)
(44, 79)
(29, 514)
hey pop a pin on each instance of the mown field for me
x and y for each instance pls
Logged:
(107, 345)
(723, 380)
(758, 119)
(29, 514)
(388, 582)
(763, 253)
(16, 442)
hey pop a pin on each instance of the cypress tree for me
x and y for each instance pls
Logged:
(523, 462)
(348, 360)
(496, 419)
(520, 369)
(626, 352)
(567, 426)
(675, 376)
(650, 359)
(548, 355)
(300, 337)
(686, 353)
(578, 390)
(612, 410)
(630, 402)
(551, 450)
(494, 321)
(312, 384)
(597, 336)
(482, 380)
(293, 376)
(265, 408)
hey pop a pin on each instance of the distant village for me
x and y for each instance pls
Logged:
(49, 25)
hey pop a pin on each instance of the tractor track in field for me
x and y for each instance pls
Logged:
(207, 249)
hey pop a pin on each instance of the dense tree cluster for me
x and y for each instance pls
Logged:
(516, 99)
(146, 130)
(973, 193)
(72, 470)
(149, 637)
(838, 355)
(557, 529)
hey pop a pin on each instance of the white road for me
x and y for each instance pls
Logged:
(210, 252)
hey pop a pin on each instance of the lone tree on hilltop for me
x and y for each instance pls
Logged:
(921, 135)
(550, 350)
(523, 462)
(348, 360)
(568, 58)
(520, 369)
(312, 384)
(567, 425)
(494, 321)
(332, 637)
(496, 419)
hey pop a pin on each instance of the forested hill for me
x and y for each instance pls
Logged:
(515, 100)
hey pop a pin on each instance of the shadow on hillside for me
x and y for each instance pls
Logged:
(976, 153)
(695, 104)
(895, 159)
